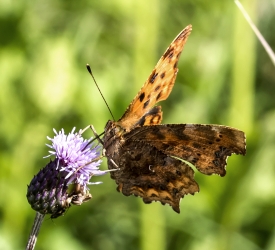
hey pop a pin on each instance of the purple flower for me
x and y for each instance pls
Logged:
(78, 157)
(76, 161)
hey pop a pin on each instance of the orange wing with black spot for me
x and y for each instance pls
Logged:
(159, 84)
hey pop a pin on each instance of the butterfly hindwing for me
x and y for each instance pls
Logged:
(154, 176)
(205, 146)
(153, 117)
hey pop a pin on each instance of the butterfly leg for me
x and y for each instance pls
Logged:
(97, 137)
(111, 160)
(81, 131)
(96, 159)
(103, 151)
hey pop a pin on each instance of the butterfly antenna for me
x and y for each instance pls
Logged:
(90, 71)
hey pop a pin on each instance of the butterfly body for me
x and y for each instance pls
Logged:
(147, 153)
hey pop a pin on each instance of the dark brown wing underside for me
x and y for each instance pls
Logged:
(205, 146)
(152, 175)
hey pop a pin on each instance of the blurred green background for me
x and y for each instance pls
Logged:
(225, 77)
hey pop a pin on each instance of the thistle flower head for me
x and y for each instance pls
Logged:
(76, 161)
(78, 157)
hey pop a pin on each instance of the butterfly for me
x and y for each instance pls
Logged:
(150, 156)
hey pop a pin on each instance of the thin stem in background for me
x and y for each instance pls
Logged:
(257, 32)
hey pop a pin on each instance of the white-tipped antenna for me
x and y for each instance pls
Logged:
(90, 71)
(257, 32)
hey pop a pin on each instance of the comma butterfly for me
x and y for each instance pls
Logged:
(148, 153)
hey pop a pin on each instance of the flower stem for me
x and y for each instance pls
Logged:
(35, 230)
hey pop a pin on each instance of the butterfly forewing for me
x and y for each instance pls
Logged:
(158, 85)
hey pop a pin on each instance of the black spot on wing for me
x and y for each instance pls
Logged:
(159, 95)
(168, 52)
(162, 75)
(157, 88)
(141, 121)
(141, 97)
(146, 104)
(153, 76)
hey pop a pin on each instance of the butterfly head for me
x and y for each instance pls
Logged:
(113, 129)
